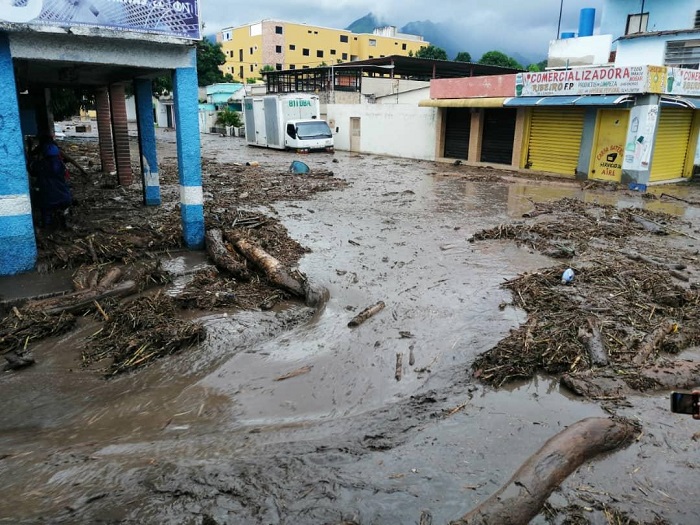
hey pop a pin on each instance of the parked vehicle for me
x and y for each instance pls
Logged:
(290, 121)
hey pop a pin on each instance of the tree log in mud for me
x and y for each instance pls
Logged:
(613, 384)
(274, 270)
(366, 314)
(222, 257)
(653, 340)
(593, 340)
(522, 497)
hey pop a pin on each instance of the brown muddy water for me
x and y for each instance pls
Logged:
(212, 433)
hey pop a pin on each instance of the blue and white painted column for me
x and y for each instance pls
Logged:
(143, 90)
(189, 153)
(17, 242)
(641, 137)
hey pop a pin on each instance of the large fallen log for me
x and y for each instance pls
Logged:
(610, 384)
(366, 314)
(522, 497)
(593, 339)
(273, 269)
(653, 340)
(222, 257)
(76, 302)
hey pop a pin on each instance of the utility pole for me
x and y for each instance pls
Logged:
(641, 15)
(561, 9)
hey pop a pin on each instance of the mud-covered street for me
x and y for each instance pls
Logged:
(287, 415)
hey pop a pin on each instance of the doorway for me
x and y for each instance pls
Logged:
(355, 134)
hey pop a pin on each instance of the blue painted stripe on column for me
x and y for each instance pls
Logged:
(193, 225)
(147, 141)
(17, 244)
(188, 151)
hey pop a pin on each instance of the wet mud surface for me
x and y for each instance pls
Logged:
(289, 416)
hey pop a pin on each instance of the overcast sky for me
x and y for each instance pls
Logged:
(523, 26)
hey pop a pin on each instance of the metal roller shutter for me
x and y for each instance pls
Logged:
(555, 140)
(499, 131)
(671, 147)
(457, 127)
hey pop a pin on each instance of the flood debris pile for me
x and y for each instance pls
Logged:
(114, 246)
(140, 331)
(565, 228)
(618, 315)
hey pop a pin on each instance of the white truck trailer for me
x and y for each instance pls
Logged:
(290, 121)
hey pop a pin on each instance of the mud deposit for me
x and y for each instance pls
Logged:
(288, 415)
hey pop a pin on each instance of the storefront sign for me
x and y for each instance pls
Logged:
(178, 18)
(584, 81)
(683, 82)
(609, 81)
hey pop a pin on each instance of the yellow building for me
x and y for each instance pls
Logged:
(287, 45)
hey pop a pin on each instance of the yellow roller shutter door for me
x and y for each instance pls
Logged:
(555, 139)
(671, 146)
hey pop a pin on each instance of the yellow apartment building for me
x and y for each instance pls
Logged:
(288, 45)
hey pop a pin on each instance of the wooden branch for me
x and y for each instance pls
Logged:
(522, 497)
(652, 341)
(366, 314)
(593, 340)
(78, 301)
(274, 270)
(110, 278)
(399, 366)
(649, 226)
(223, 257)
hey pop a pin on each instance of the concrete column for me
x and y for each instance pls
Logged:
(641, 137)
(104, 130)
(189, 153)
(143, 90)
(476, 135)
(120, 130)
(519, 137)
(17, 242)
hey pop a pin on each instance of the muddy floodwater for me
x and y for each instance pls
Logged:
(214, 436)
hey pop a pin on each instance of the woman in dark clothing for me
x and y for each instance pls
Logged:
(54, 194)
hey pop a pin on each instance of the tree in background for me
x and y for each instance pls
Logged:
(209, 58)
(496, 58)
(432, 52)
(463, 56)
(266, 68)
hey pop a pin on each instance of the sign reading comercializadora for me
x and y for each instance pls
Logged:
(178, 18)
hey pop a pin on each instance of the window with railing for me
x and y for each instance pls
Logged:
(683, 53)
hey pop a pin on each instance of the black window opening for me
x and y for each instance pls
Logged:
(305, 52)
(332, 51)
(344, 56)
(457, 128)
(343, 38)
(403, 47)
(278, 30)
(697, 20)
(251, 50)
(498, 136)
(278, 67)
(637, 23)
(292, 47)
(278, 49)
(292, 66)
(319, 53)
(240, 55)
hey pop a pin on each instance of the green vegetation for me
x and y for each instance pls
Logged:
(229, 118)
(432, 52)
(463, 56)
(497, 58)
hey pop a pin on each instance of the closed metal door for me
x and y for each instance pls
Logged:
(555, 140)
(355, 136)
(671, 146)
(457, 129)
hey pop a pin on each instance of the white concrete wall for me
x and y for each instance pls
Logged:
(641, 51)
(385, 86)
(583, 51)
(407, 97)
(131, 109)
(386, 129)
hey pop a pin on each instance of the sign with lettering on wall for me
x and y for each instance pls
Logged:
(683, 82)
(179, 18)
(660, 80)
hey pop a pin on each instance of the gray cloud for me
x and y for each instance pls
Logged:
(522, 27)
